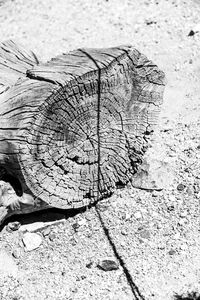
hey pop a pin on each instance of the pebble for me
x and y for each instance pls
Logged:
(82, 222)
(124, 232)
(75, 226)
(52, 236)
(189, 191)
(172, 252)
(31, 241)
(16, 253)
(127, 216)
(170, 208)
(180, 187)
(184, 247)
(144, 234)
(138, 215)
(155, 193)
(108, 265)
(194, 30)
(181, 222)
(89, 265)
(177, 236)
(183, 214)
(13, 226)
(46, 231)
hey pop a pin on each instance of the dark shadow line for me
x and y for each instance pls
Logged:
(134, 288)
(130, 281)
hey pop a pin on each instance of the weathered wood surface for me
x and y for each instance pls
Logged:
(74, 128)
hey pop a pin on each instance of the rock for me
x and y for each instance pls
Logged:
(138, 215)
(180, 187)
(82, 222)
(7, 264)
(13, 226)
(172, 252)
(89, 265)
(127, 216)
(170, 208)
(155, 193)
(153, 175)
(150, 21)
(145, 234)
(194, 30)
(46, 231)
(31, 241)
(191, 33)
(75, 226)
(16, 253)
(52, 236)
(108, 265)
(124, 232)
(183, 214)
(184, 247)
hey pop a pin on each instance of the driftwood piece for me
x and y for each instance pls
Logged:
(76, 127)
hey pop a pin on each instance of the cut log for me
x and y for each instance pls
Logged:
(76, 127)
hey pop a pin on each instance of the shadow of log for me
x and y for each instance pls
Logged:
(189, 296)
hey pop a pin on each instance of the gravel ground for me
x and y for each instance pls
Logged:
(157, 234)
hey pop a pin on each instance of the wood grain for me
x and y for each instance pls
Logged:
(76, 127)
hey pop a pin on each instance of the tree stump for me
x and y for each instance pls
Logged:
(76, 127)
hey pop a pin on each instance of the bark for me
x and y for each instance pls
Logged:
(76, 127)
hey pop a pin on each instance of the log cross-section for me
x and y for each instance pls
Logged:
(76, 127)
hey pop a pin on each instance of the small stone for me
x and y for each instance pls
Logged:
(189, 191)
(31, 241)
(144, 234)
(108, 265)
(191, 33)
(176, 236)
(127, 216)
(124, 232)
(180, 187)
(194, 30)
(150, 22)
(138, 215)
(170, 208)
(177, 67)
(155, 193)
(13, 226)
(172, 252)
(184, 247)
(181, 222)
(183, 214)
(46, 231)
(52, 236)
(75, 226)
(16, 253)
(82, 222)
(89, 265)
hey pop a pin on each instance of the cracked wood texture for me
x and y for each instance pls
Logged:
(76, 127)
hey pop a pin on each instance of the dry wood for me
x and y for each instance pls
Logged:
(76, 127)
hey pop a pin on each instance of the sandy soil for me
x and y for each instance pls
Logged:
(157, 235)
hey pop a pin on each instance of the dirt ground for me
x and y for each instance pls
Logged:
(156, 234)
